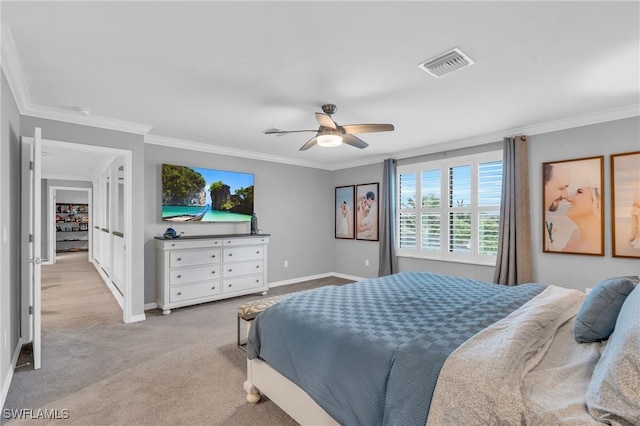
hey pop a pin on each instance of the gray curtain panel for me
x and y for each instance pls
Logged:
(514, 264)
(388, 261)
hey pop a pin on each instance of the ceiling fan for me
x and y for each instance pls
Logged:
(331, 134)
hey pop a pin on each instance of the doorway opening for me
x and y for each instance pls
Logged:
(68, 221)
(108, 227)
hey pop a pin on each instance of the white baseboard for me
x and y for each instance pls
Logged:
(314, 277)
(7, 380)
(149, 306)
(136, 318)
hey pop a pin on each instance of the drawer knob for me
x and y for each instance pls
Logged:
(258, 252)
(179, 276)
(213, 272)
(179, 259)
(230, 269)
(229, 285)
(173, 245)
(230, 254)
(213, 255)
(257, 281)
(213, 288)
(179, 293)
(257, 266)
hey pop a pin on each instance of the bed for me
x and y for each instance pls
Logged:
(418, 348)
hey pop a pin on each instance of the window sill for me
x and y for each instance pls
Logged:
(439, 259)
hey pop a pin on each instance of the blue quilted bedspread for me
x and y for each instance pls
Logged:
(369, 353)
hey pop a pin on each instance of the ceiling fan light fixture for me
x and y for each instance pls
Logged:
(329, 138)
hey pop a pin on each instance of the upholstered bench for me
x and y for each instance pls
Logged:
(248, 311)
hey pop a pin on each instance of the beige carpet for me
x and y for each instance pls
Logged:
(179, 369)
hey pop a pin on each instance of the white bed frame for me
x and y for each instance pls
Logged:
(263, 379)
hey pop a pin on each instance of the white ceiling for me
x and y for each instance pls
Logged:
(220, 73)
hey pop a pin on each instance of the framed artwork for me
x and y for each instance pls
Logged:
(625, 202)
(573, 206)
(345, 212)
(367, 210)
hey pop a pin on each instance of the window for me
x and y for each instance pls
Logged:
(450, 209)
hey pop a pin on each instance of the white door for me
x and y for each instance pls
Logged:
(31, 213)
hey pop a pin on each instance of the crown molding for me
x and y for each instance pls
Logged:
(10, 64)
(60, 114)
(12, 68)
(536, 129)
(216, 149)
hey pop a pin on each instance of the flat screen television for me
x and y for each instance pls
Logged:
(199, 195)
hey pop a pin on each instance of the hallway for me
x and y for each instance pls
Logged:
(74, 295)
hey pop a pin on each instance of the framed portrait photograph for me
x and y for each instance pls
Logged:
(345, 212)
(367, 210)
(573, 206)
(625, 202)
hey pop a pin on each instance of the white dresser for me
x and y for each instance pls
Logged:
(193, 270)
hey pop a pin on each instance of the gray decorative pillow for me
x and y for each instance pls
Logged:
(597, 316)
(612, 396)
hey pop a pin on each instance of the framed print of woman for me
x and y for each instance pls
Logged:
(344, 212)
(367, 212)
(625, 200)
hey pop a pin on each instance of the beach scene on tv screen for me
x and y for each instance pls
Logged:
(193, 194)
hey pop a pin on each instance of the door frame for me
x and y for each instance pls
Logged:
(51, 238)
(30, 244)
(127, 306)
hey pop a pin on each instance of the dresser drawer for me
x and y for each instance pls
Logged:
(194, 273)
(194, 257)
(194, 291)
(245, 241)
(238, 254)
(230, 285)
(189, 244)
(243, 268)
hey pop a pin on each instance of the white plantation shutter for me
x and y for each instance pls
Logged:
(458, 214)
(407, 210)
(489, 193)
(431, 234)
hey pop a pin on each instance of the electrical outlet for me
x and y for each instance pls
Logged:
(366, 262)
(286, 263)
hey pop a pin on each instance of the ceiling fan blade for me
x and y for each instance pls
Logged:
(354, 141)
(367, 128)
(311, 142)
(279, 132)
(325, 120)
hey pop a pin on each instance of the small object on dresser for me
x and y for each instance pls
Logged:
(254, 224)
(170, 233)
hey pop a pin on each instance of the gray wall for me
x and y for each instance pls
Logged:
(10, 158)
(572, 270)
(72, 197)
(349, 256)
(566, 270)
(292, 204)
(66, 132)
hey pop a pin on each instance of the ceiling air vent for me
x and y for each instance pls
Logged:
(446, 63)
